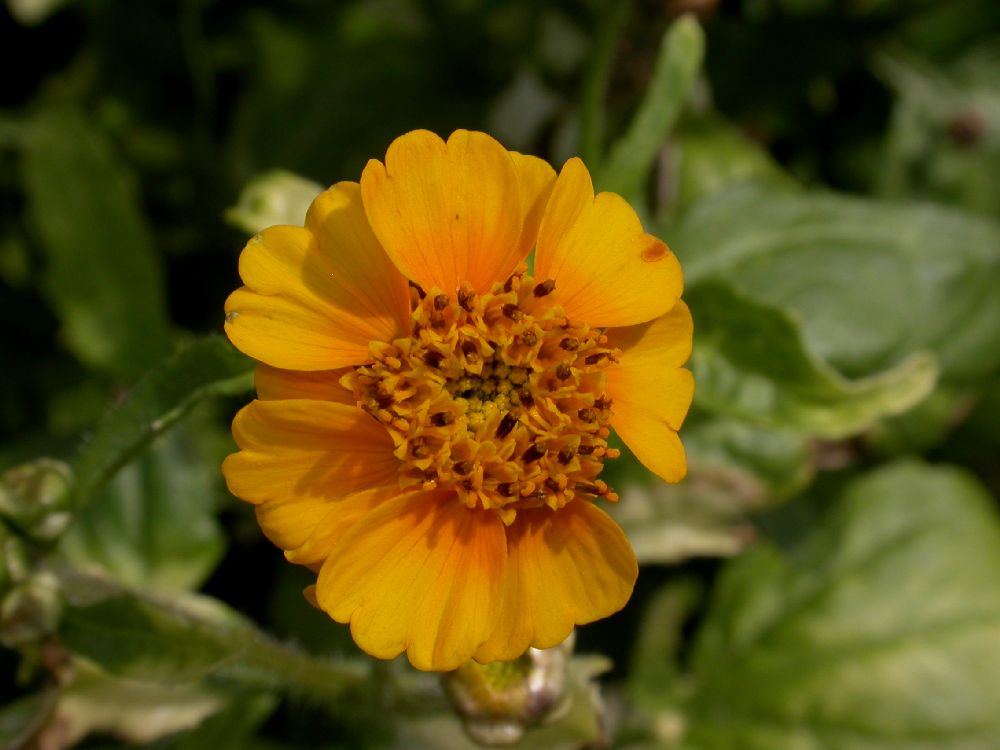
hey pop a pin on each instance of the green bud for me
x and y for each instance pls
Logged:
(30, 611)
(499, 701)
(34, 498)
(276, 197)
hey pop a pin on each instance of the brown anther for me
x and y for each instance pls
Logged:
(525, 398)
(509, 283)
(565, 455)
(602, 403)
(506, 425)
(544, 288)
(528, 338)
(553, 484)
(585, 450)
(570, 345)
(593, 359)
(420, 292)
(434, 359)
(563, 371)
(384, 400)
(532, 454)
(441, 302)
(587, 415)
(462, 467)
(512, 311)
(442, 418)
(465, 299)
(506, 489)
(418, 450)
(470, 351)
(467, 484)
(587, 488)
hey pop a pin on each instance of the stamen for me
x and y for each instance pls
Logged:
(545, 288)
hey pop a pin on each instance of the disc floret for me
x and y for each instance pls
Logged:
(499, 396)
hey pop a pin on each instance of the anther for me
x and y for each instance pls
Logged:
(544, 288)
(587, 415)
(442, 418)
(593, 359)
(528, 338)
(570, 345)
(506, 489)
(525, 398)
(506, 425)
(585, 450)
(462, 467)
(565, 455)
(589, 489)
(509, 283)
(420, 292)
(512, 311)
(602, 403)
(465, 299)
(441, 302)
(434, 359)
(532, 454)
(553, 484)
(563, 371)
(470, 351)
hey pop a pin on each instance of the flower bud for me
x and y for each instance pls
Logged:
(30, 611)
(34, 498)
(499, 701)
(276, 197)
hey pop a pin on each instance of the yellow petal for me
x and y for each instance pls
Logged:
(650, 393)
(608, 270)
(564, 568)
(450, 212)
(313, 300)
(297, 449)
(274, 384)
(420, 574)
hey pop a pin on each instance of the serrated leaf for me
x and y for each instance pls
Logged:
(870, 283)
(879, 630)
(207, 367)
(153, 527)
(753, 362)
(103, 277)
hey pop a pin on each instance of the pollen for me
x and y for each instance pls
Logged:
(497, 396)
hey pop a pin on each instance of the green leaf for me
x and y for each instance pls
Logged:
(631, 158)
(188, 637)
(230, 728)
(154, 525)
(733, 469)
(870, 283)
(939, 144)
(103, 277)
(708, 154)
(753, 362)
(207, 367)
(878, 630)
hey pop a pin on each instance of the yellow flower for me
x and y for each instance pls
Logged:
(432, 420)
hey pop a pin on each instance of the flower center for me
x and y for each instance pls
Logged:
(498, 396)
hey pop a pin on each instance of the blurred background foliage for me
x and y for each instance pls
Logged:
(828, 171)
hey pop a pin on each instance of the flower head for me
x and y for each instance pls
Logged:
(433, 420)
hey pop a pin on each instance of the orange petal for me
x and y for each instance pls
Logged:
(313, 300)
(564, 568)
(420, 574)
(535, 178)
(608, 270)
(297, 449)
(307, 528)
(650, 393)
(275, 384)
(451, 212)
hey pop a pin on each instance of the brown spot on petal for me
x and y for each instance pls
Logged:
(655, 250)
